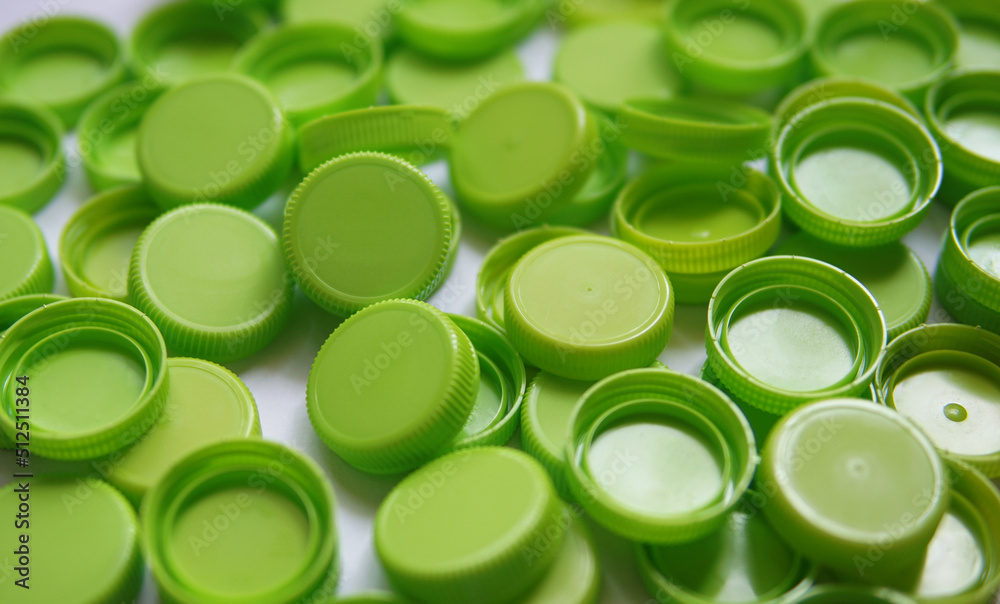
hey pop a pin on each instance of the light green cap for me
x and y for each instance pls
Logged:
(968, 272)
(480, 525)
(74, 523)
(214, 281)
(26, 267)
(367, 598)
(97, 241)
(595, 11)
(309, 70)
(367, 227)
(823, 90)
(853, 594)
(370, 19)
(895, 164)
(846, 474)
(979, 33)
(61, 63)
(586, 306)
(575, 575)
(219, 138)
(96, 377)
(32, 164)
(13, 309)
(761, 421)
(249, 519)
(393, 386)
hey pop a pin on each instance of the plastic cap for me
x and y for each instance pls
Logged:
(364, 228)
(584, 307)
(596, 11)
(979, 33)
(823, 90)
(373, 18)
(214, 281)
(26, 267)
(33, 167)
(968, 272)
(498, 505)
(575, 575)
(761, 421)
(219, 138)
(393, 386)
(13, 309)
(250, 519)
(367, 598)
(842, 594)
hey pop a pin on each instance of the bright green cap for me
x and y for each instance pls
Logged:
(32, 164)
(416, 134)
(310, 72)
(737, 48)
(785, 330)
(189, 38)
(852, 594)
(465, 31)
(364, 228)
(944, 378)
(591, 11)
(95, 373)
(629, 430)
(249, 519)
(213, 279)
(695, 128)
(12, 309)
(610, 63)
(108, 130)
(26, 267)
(371, 19)
(219, 138)
(583, 307)
(97, 242)
(393, 386)
(893, 273)
(824, 90)
(368, 598)
(575, 575)
(895, 165)
(968, 272)
(963, 111)
(480, 525)
(516, 159)
(734, 553)
(62, 63)
(761, 421)
(848, 477)
(82, 542)
(979, 33)
(876, 39)
(699, 221)
(206, 404)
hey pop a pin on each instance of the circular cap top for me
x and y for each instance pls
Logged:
(214, 281)
(591, 61)
(62, 63)
(850, 473)
(458, 529)
(585, 306)
(392, 386)
(12, 309)
(373, 17)
(364, 228)
(32, 164)
(75, 523)
(575, 575)
(979, 33)
(219, 138)
(842, 594)
(26, 267)
(466, 30)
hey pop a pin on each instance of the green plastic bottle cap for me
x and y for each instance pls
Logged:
(97, 242)
(498, 264)
(519, 156)
(371, 19)
(62, 63)
(945, 378)
(416, 134)
(364, 228)
(585, 306)
(241, 160)
(968, 272)
(856, 487)
(311, 72)
(12, 309)
(761, 422)
(893, 273)
(502, 382)
(32, 164)
(214, 281)
(466, 31)
(823, 90)
(963, 111)
(575, 575)
(594, 11)
(699, 222)
(979, 33)
(871, 39)
(895, 164)
(627, 433)
(393, 386)
(189, 38)
(853, 594)
(206, 404)
(695, 128)
(494, 520)
(108, 131)
(368, 598)
(249, 519)
(737, 48)
(75, 523)
(26, 267)
(786, 330)
(96, 377)
(610, 63)
(677, 573)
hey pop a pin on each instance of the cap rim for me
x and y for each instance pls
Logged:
(45, 130)
(40, 277)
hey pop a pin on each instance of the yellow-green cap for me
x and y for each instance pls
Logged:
(33, 167)
(369, 19)
(968, 272)
(575, 14)
(978, 33)
(854, 594)
(575, 575)
(13, 309)
(26, 267)
(825, 89)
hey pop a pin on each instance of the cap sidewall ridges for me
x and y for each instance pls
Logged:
(969, 279)
(533, 443)
(983, 496)
(467, 43)
(47, 133)
(40, 278)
